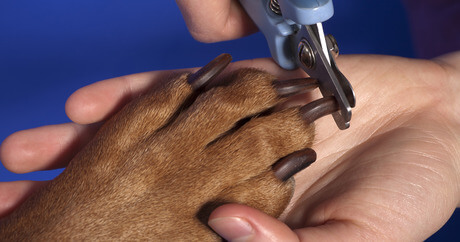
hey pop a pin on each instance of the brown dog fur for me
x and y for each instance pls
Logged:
(158, 167)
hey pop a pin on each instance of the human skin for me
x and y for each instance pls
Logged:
(393, 175)
(405, 131)
(433, 23)
(225, 20)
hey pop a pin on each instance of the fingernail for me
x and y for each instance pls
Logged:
(232, 228)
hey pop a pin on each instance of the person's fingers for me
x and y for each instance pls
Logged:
(53, 146)
(13, 193)
(211, 21)
(236, 222)
(98, 101)
(46, 147)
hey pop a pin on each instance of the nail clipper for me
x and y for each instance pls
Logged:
(294, 32)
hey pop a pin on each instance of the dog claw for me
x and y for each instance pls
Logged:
(318, 108)
(291, 87)
(203, 76)
(295, 162)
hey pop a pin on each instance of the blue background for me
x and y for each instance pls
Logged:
(50, 48)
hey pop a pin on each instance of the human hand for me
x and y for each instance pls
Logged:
(424, 112)
(394, 175)
(362, 172)
(218, 21)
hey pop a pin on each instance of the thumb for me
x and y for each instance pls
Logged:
(235, 222)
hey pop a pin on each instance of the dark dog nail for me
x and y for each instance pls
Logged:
(288, 88)
(290, 165)
(199, 79)
(318, 109)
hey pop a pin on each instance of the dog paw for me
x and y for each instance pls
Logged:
(159, 166)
